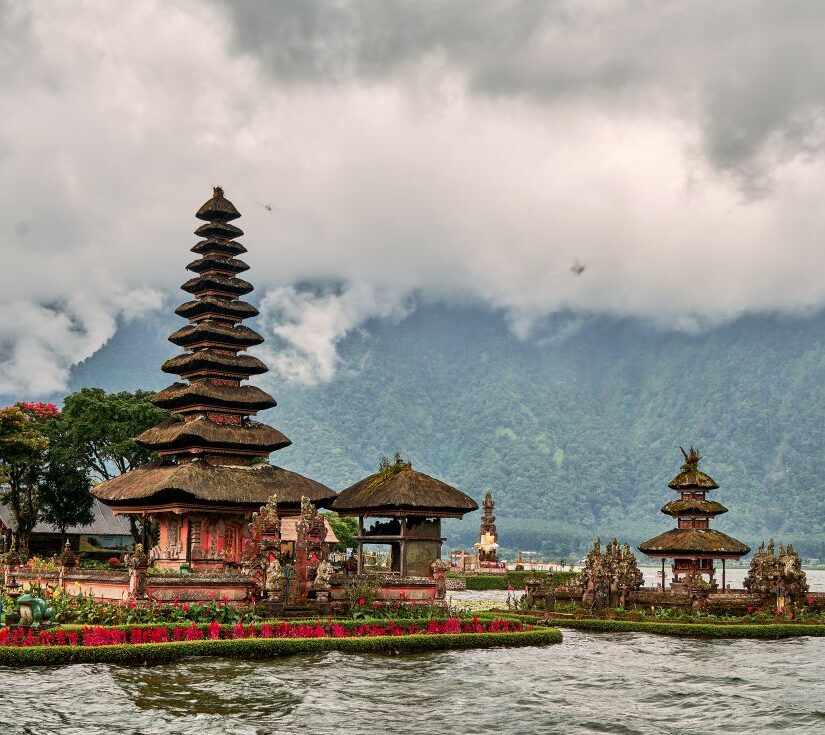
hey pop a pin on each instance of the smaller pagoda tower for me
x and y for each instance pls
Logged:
(487, 545)
(693, 545)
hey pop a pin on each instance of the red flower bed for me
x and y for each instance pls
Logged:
(99, 636)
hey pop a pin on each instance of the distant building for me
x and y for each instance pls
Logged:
(106, 536)
(693, 545)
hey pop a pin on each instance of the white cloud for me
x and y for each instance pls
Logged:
(308, 325)
(459, 169)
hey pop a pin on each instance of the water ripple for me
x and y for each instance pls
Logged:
(620, 684)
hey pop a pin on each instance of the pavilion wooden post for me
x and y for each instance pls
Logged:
(723, 574)
(663, 575)
(402, 566)
(360, 544)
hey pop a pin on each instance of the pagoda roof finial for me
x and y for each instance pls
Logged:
(692, 459)
(217, 192)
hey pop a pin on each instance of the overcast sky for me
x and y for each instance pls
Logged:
(462, 151)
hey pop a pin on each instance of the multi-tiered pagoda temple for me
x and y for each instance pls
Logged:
(212, 470)
(693, 545)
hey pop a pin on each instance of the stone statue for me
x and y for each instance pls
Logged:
(323, 575)
(274, 579)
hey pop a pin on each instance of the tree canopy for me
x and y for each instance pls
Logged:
(103, 425)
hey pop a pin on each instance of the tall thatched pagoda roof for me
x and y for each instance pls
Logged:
(399, 490)
(211, 451)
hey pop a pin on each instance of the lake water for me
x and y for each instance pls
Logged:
(592, 683)
(630, 683)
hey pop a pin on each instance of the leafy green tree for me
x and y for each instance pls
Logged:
(64, 494)
(101, 428)
(23, 447)
(345, 528)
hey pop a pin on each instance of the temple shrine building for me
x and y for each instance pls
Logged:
(693, 544)
(212, 469)
(413, 505)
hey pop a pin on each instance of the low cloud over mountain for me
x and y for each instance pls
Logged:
(406, 153)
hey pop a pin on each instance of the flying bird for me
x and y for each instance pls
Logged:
(577, 268)
(267, 207)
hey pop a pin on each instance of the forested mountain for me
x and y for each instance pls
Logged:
(576, 432)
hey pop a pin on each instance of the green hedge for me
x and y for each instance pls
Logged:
(516, 580)
(251, 648)
(696, 630)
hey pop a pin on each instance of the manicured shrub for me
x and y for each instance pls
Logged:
(247, 648)
(696, 630)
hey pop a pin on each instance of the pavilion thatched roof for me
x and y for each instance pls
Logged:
(234, 485)
(692, 542)
(400, 490)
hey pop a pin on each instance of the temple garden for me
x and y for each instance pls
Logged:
(235, 556)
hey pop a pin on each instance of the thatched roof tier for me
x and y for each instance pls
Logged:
(214, 361)
(219, 229)
(200, 432)
(690, 477)
(219, 263)
(216, 333)
(231, 309)
(694, 542)
(218, 245)
(247, 485)
(206, 394)
(218, 208)
(693, 507)
(402, 491)
(693, 479)
(217, 284)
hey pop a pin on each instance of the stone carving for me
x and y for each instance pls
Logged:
(440, 568)
(136, 563)
(777, 575)
(311, 532)
(274, 580)
(68, 558)
(608, 577)
(323, 575)
(263, 546)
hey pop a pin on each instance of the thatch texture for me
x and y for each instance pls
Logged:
(214, 361)
(222, 284)
(693, 542)
(231, 309)
(403, 492)
(207, 393)
(214, 262)
(220, 246)
(201, 432)
(237, 337)
(693, 479)
(220, 484)
(693, 507)
(218, 208)
(219, 229)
